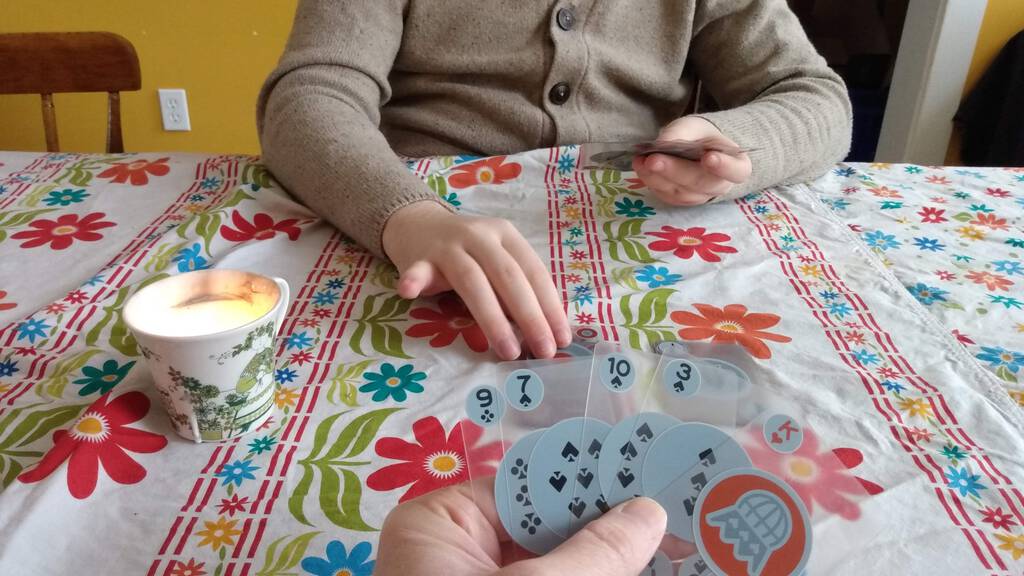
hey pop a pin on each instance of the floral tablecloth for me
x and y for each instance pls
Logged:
(885, 299)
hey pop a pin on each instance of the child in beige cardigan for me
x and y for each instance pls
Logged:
(362, 81)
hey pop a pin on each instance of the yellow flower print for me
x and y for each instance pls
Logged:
(812, 270)
(1012, 544)
(219, 533)
(285, 397)
(971, 233)
(916, 407)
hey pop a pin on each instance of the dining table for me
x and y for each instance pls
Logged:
(886, 300)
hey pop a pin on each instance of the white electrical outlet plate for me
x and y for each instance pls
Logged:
(174, 109)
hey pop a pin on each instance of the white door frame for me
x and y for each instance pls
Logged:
(935, 53)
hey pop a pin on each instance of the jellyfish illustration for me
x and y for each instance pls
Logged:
(757, 525)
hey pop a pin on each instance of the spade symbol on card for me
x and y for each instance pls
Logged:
(577, 507)
(602, 505)
(699, 567)
(525, 400)
(616, 382)
(626, 477)
(570, 452)
(595, 449)
(689, 504)
(628, 451)
(707, 457)
(585, 477)
(699, 481)
(776, 439)
(557, 481)
(644, 432)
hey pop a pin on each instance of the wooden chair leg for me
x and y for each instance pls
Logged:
(115, 141)
(50, 123)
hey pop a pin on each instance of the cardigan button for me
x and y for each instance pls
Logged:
(566, 18)
(559, 93)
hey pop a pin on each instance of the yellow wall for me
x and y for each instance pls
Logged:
(219, 51)
(1003, 19)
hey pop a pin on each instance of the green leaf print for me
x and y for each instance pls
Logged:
(281, 563)
(36, 195)
(608, 184)
(626, 277)
(54, 384)
(161, 257)
(234, 200)
(1004, 373)
(644, 322)
(624, 241)
(343, 388)
(380, 312)
(340, 490)
(120, 338)
(23, 426)
(963, 217)
(257, 176)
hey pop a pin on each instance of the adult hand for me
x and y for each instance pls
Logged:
(449, 532)
(685, 182)
(489, 264)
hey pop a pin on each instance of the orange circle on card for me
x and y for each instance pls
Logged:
(747, 521)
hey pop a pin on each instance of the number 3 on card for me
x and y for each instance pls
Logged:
(681, 377)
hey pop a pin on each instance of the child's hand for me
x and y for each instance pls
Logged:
(489, 264)
(686, 183)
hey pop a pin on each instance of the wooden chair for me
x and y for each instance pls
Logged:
(49, 63)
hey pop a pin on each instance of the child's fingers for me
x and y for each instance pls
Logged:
(469, 280)
(670, 192)
(540, 280)
(415, 279)
(510, 283)
(732, 168)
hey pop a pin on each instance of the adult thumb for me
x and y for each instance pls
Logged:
(619, 543)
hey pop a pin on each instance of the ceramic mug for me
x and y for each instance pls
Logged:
(208, 337)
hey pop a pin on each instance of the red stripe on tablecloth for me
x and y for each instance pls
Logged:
(274, 472)
(45, 173)
(944, 414)
(555, 254)
(597, 257)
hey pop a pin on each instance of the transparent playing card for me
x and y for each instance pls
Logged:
(540, 394)
(482, 437)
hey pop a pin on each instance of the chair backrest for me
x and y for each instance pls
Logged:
(49, 63)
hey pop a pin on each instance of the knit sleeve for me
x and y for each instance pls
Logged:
(777, 93)
(318, 116)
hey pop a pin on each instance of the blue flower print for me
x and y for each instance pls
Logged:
(926, 294)
(881, 240)
(325, 298)
(656, 276)
(32, 329)
(190, 259)
(65, 197)
(285, 375)
(866, 358)
(633, 208)
(9, 367)
(393, 383)
(299, 340)
(339, 561)
(929, 244)
(1009, 267)
(964, 482)
(237, 472)
(998, 357)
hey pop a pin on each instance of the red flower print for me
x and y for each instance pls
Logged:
(932, 215)
(564, 223)
(990, 280)
(100, 436)
(309, 322)
(136, 171)
(997, 518)
(578, 255)
(962, 338)
(492, 170)
(434, 460)
(685, 242)
(584, 318)
(820, 478)
(943, 275)
(25, 351)
(262, 227)
(445, 326)
(301, 358)
(856, 228)
(55, 308)
(232, 505)
(730, 325)
(60, 233)
(573, 278)
(997, 192)
(990, 221)
(938, 199)
(883, 192)
(5, 305)
(920, 434)
(76, 297)
(854, 337)
(322, 312)
(936, 180)
(850, 190)
(569, 201)
(191, 569)
(888, 373)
